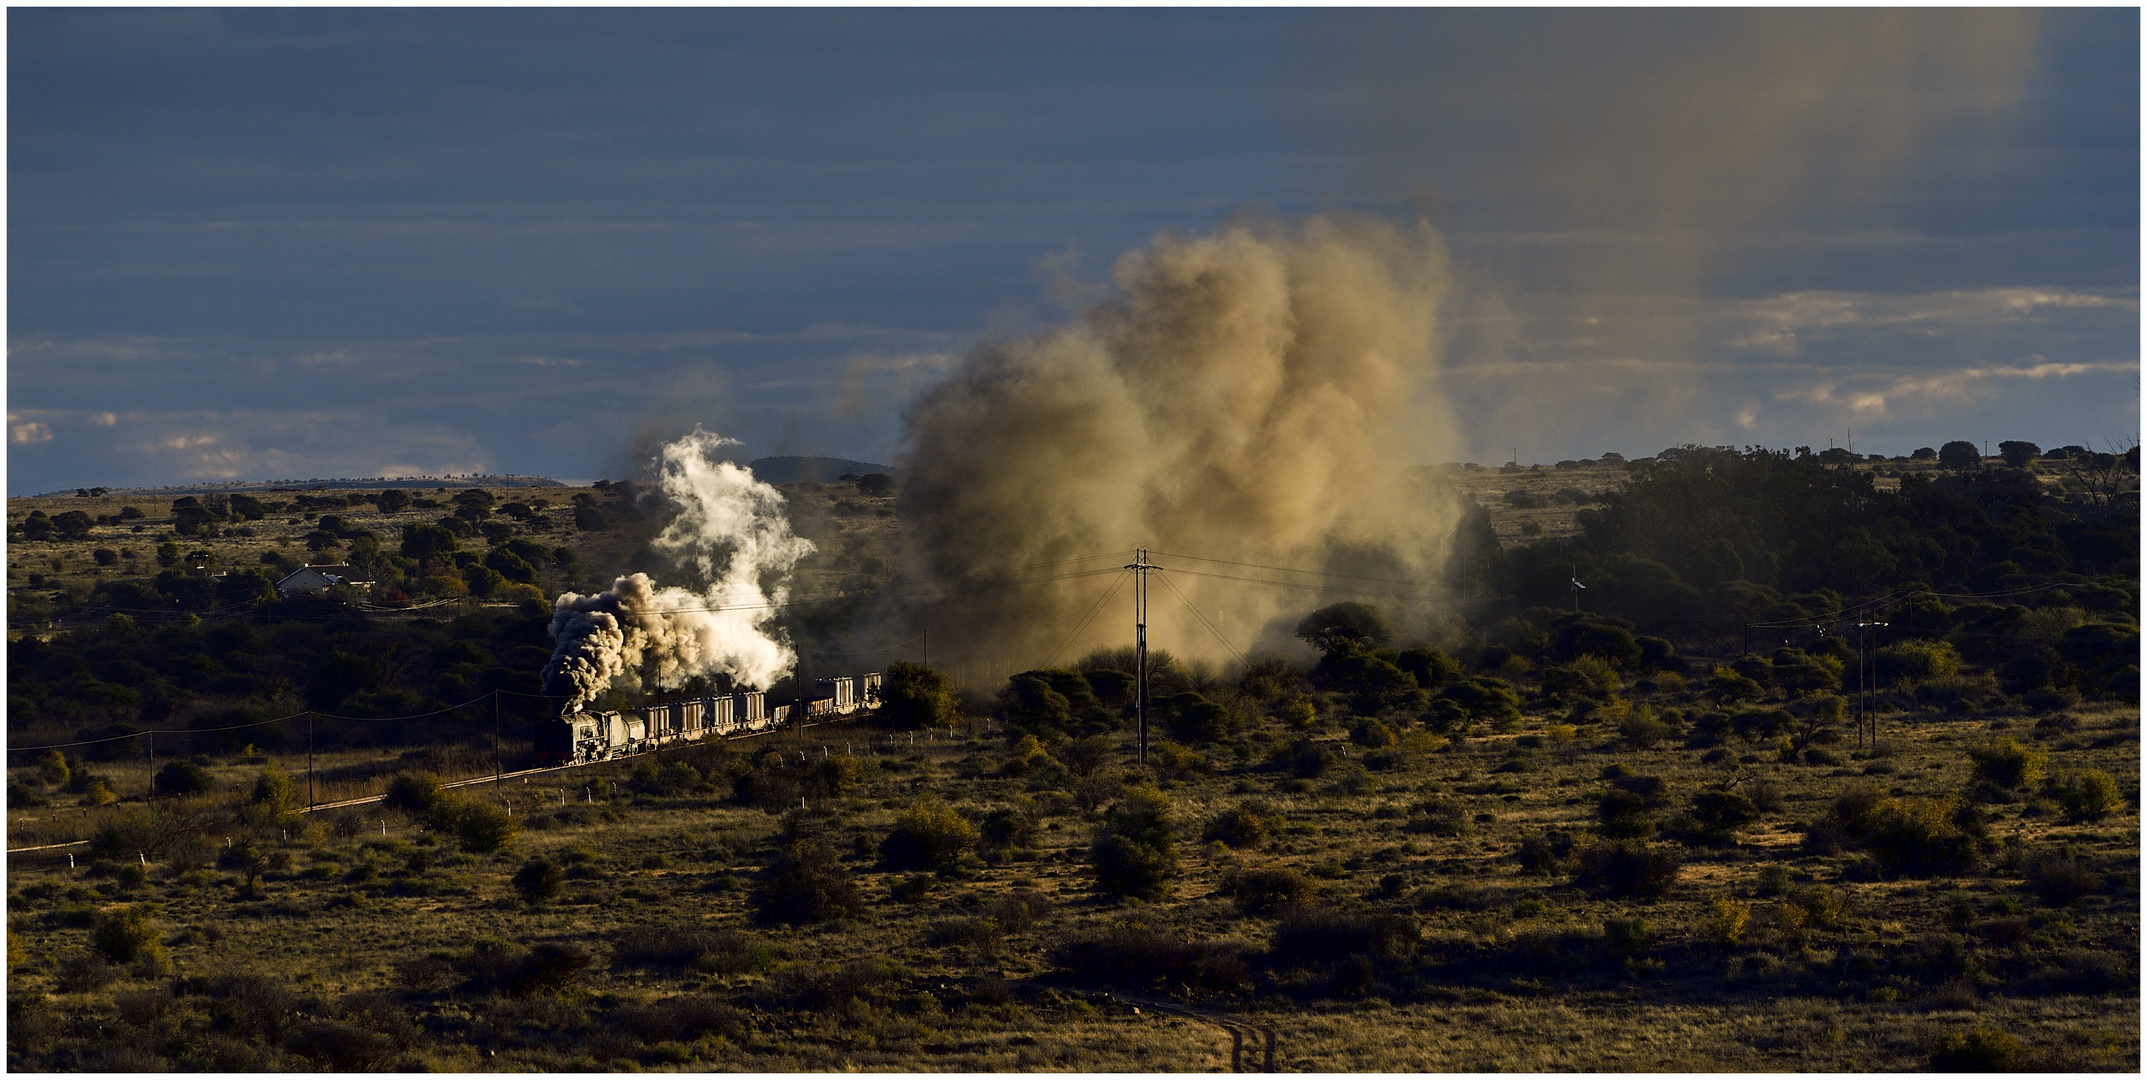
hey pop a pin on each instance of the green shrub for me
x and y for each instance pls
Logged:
(1242, 827)
(1309, 760)
(413, 792)
(2059, 879)
(1134, 852)
(82, 972)
(929, 835)
(1623, 814)
(1373, 735)
(2088, 796)
(126, 935)
(1821, 906)
(1628, 937)
(1142, 956)
(1006, 829)
(540, 880)
(275, 791)
(1723, 811)
(1545, 852)
(1919, 837)
(685, 1018)
(829, 988)
(717, 951)
(670, 780)
(1438, 816)
(1916, 661)
(1977, 1050)
(1270, 890)
(480, 826)
(2008, 764)
(1319, 938)
(183, 778)
(494, 965)
(1641, 729)
(805, 882)
(1726, 920)
(1627, 868)
(2048, 699)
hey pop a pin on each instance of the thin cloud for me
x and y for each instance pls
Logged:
(1864, 398)
(1778, 324)
(27, 431)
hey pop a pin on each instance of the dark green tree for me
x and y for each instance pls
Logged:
(2018, 454)
(1348, 625)
(913, 696)
(1959, 455)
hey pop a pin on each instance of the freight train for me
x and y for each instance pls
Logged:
(577, 738)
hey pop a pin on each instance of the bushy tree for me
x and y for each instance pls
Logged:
(2018, 454)
(928, 835)
(2008, 764)
(1348, 625)
(913, 696)
(805, 882)
(1135, 853)
(1960, 454)
(422, 541)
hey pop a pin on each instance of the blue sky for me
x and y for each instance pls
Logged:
(257, 244)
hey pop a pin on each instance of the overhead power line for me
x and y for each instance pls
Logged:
(1300, 570)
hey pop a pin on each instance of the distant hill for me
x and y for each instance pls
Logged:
(340, 484)
(811, 470)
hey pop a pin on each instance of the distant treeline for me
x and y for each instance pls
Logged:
(1698, 551)
(1699, 544)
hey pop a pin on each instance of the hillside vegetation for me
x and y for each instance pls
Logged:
(1541, 839)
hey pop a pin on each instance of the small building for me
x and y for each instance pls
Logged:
(313, 579)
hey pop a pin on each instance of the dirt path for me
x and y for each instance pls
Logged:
(1248, 1041)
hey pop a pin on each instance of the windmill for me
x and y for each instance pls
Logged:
(1577, 587)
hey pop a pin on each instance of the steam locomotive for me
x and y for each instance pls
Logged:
(578, 738)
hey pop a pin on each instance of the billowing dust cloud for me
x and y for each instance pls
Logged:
(1258, 395)
(732, 536)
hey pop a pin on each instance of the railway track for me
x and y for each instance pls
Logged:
(497, 778)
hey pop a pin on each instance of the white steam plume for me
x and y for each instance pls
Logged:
(732, 532)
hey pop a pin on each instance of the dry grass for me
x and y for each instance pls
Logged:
(1485, 998)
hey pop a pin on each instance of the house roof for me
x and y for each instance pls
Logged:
(312, 578)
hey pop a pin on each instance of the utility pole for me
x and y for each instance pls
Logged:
(310, 801)
(497, 768)
(1867, 712)
(1140, 567)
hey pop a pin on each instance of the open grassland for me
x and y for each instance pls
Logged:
(1440, 915)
